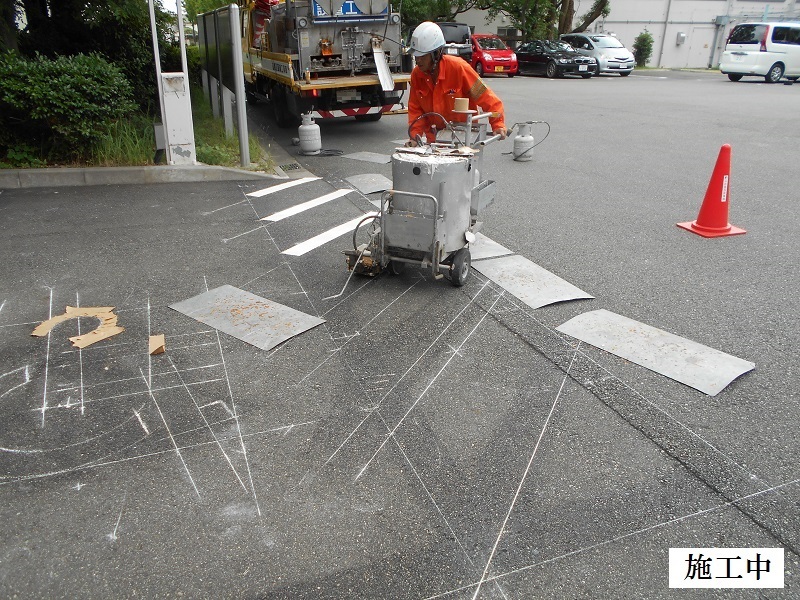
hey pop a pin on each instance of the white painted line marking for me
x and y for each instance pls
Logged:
(211, 429)
(112, 537)
(403, 376)
(171, 437)
(80, 351)
(205, 214)
(324, 238)
(281, 186)
(226, 240)
(27, 379)
(525, 475)
(236, 415)
(47, 360)
(141, 422)
(430, 384)
(279, 216)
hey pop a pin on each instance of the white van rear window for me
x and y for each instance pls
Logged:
(747, 34)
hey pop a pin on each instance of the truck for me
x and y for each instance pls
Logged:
(326, 58)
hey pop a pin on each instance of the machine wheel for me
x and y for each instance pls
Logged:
(552, 70)
(459, 270)
(479, 69)
(734, 77)
(774, 74)
(396, 267)
(369, 118)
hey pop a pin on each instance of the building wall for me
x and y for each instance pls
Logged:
(704, 25)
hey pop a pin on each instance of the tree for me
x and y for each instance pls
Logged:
(116, 29)
(600, 8)
(8, 25)
(198, 7)
(643, 48)
(543, 18)
(534, 18)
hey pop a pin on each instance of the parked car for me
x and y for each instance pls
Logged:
(768, 50)
(611, 55)
(458, 42)
(491, 55)
(554, 59)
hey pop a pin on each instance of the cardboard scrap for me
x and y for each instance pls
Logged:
(158, 344)
(108, 324)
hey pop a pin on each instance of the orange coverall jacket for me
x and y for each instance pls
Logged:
(456, 79)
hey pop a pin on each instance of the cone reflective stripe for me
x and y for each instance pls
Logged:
(712, 221)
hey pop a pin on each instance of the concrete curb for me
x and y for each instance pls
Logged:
(286, 167)
(67, 176)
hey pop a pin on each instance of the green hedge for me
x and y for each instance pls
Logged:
(62, 106)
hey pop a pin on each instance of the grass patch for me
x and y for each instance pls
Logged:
(214, 147)
(131, 142)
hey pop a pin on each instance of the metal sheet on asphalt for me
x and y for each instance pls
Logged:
(247, 317)
(688, 362)
(369, 183)
(484, 247)
(529, 282)
(370, 157)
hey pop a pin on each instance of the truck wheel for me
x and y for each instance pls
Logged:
(459, 270)
(280, 110)
(369, 118)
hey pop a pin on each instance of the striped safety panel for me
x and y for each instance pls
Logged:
(352, 112)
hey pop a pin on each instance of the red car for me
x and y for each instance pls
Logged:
(491, 55)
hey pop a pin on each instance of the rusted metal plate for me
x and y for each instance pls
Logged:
(247, 317)
(693, 364)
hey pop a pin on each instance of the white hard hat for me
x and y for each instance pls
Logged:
(426, 38)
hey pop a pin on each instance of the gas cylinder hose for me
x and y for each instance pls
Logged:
(515, 125)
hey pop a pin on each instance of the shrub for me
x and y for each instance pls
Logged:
(194, 65)
(64, 106)
(643, 48)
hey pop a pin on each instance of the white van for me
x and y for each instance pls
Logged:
(769, 50)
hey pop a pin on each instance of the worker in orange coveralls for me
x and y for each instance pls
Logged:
(437, 80)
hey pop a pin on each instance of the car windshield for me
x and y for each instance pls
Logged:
(556, 46)
(492, 43)
(607, 42)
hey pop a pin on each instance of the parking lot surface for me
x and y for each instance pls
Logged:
(425, 441)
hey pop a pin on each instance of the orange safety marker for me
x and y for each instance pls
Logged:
(712, 221)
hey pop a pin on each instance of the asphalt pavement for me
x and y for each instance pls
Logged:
(425, 441)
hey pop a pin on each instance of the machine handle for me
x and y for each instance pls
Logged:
(390, 196)
(488, 141)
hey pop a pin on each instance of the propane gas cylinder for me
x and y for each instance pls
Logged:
(310, 139)
(523, 143)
